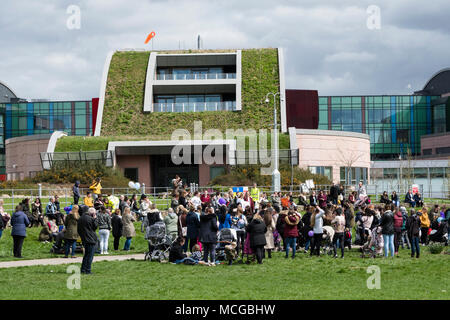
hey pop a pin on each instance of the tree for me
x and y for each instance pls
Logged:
(348, 159)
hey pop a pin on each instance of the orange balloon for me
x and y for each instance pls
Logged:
(150, 36)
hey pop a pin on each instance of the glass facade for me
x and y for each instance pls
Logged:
(394, 123)
(29, 118)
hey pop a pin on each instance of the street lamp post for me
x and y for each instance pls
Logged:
(276, 178)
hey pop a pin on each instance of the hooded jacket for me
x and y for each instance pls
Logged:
(193, 225)
(257, 229)
(424, 220)
(290, 228)
(171, 221)
(208, 228)
(398, 221)
(76, 189)
(387, 223)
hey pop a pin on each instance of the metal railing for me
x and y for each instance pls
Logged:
(196, 76)
(48, 159)
(194, 106)
(161, 196)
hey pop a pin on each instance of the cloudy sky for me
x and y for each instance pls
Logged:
(328, 45)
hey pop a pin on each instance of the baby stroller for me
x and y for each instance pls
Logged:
(59, 245)
(374, 244)
(226, 237)
(440, 234)
(327, 240)
(158, 242)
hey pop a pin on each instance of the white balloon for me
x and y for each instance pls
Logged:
(137, 186)
(131, 184)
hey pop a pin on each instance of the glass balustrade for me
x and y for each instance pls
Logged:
(195, 106)
(196, 76)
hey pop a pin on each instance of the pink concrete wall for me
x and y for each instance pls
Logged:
(25, 156)
(142, 162)
(435, 141)
(333, 151)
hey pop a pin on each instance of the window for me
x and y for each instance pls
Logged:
(443, 150)
(402, 136)
(390, 173)
(427, 152)
(216, 171)
(325, 171)
(131, 173)
(421, 173)
(437, 173)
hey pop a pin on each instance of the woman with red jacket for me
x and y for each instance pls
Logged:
(398, 224)
(322, 198)
(291, 232)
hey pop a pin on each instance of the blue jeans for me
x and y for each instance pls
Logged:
(290, 242)
(388, 244)
(1, 232)
(89, 250)
(415, 248)
(187, 258)
(307, 243)
(70, 244)
(127, 244)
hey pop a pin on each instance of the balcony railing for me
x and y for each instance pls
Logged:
(196, 76)
(195, 106)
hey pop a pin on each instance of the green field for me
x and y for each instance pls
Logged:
(276, 278)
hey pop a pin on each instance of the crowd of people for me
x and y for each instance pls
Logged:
(259, 223)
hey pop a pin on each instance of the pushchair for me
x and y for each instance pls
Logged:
(158, 242)
(59, 245)
(327, 240)
(440, 234)
(227, 236)
(374, 245)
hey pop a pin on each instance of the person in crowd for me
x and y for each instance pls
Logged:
(19, 223)
(238, 223)
(175, 201)
(313, 199)
(117, 228)
(128, 228)
(208, 235)
(4, 215)
(36, 213)
(176, 253)
(26, 209)
(338, 224)
(177, 182)
(322, 198)
(193, 227)
(76, 192)
(398, 225)
(291, 232)
(153, 216)
(387, 225)
(302, 200)
(99, 202)
(270, 225)
(96, 187)
(86, 227)
(409, 199)
(171, 222)
(352, 197)
(281, 225)
(224, 218)
(104, 228)
(145, 206)
(182, 200)
(205, 198)
(385, 198)
(276, 201)
(424, 225)
(418, 199)
(394, 199)
(88, 200)
(50, 211)
(341, 193)
(413, 228)
(317, 225)
(71, 231)
(134, 205)
(405, 236)
(285, 203)
(2, 226)
(182, 226)
(57, 204)
(196, 199)
(257, 230)
(306, 221)
(334, 193)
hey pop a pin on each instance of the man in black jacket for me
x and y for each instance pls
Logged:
(413, 227)
(76, 192)
(86, 229)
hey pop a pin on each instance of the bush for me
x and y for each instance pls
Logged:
(435, 248)
(246, 175)
(83, 172)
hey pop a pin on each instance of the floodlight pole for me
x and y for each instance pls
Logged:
(276, 178)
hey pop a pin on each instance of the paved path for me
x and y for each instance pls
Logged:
(56, 261)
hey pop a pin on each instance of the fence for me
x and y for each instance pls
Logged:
(161, 196)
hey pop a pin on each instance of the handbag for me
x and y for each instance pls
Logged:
(183, 229)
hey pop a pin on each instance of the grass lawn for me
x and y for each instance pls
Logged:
(276, 278)
(33, 249)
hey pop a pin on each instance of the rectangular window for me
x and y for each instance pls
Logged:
(443, 150)
(421, 173)
(437, 173)
(216, 171)
(427, 152)
(131, 173)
